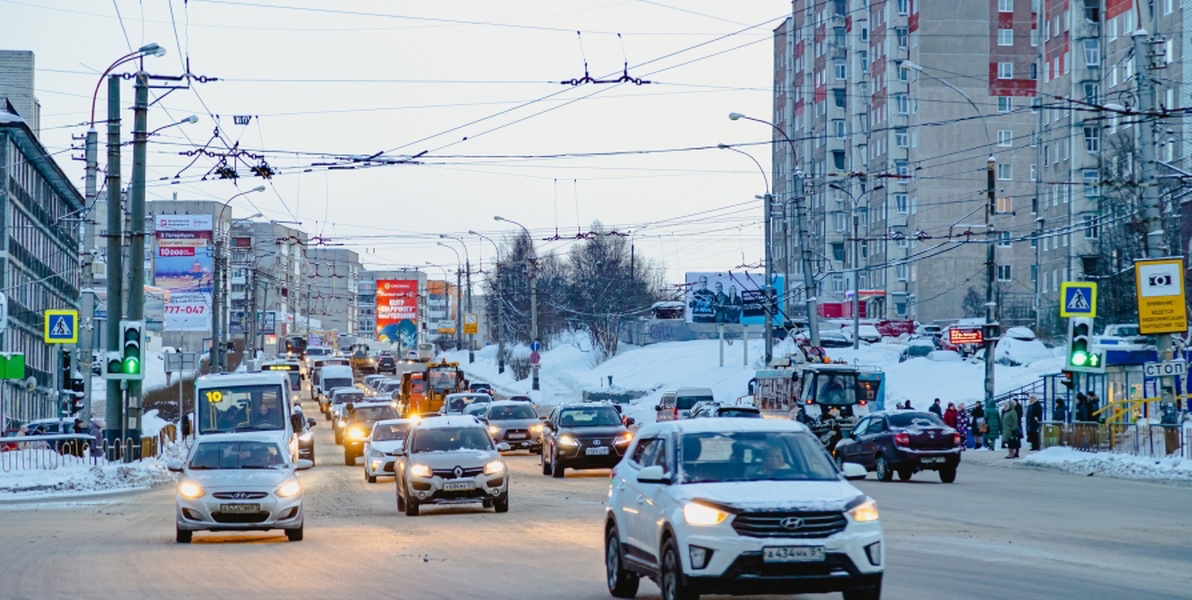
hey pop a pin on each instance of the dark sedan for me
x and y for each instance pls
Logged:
(583, 436)
(902, 442)
(386, 363)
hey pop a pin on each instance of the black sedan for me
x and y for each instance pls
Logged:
(386, 363)
(902, 442)
(583, 436)
(306, 437)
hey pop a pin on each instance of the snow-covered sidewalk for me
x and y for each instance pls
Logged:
(1111, 464)
(79, 477)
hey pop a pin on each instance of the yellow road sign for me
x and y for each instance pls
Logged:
(1160, 287)
(471, 323)
(61, 327)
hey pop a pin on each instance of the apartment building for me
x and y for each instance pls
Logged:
(336, 281)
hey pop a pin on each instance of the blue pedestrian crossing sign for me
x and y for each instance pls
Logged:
(1078, 299)
(62, 327)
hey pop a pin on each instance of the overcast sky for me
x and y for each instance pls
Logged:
(473, 85)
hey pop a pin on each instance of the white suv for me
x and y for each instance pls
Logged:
(739, 506)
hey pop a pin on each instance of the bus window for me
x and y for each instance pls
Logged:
(241, 408)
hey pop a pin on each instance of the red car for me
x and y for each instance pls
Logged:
(903, 442)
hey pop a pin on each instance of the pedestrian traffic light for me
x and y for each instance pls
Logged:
(1081, 356)
(132, 356)
(1069, 380)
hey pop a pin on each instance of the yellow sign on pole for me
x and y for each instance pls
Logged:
(471, 323)
(1160, 286)
(61, 327)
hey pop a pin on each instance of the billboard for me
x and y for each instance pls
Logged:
(397, 311)
(183, 265)
(730, 297)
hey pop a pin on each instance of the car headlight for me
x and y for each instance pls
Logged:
(356, 433)
(567, 440)
(702, 514)
(493, 430)
(865, 512)
(536, 428)
(495, 467)
(625, 438)
(289, 489)
(190, 489)
(420, 471)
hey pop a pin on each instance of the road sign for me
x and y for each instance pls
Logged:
(61, 327)
(535, 357)
(1079, 299)
(178, 362)
(1160, 287)
(1171, 368)
(958, 336)
(535, 346)
(471, 323)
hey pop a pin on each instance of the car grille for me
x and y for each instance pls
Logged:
(465, 472)
(770, 524)
(239, 495)
(256, 517)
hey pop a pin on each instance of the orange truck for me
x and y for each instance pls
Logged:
(423, 392)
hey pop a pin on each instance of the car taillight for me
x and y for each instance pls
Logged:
(676, 412)
(862, 402)
(956, 441)
(902, 439)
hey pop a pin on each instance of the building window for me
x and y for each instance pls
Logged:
(902, 35)
(1005, 171)
(1005, 137)
(900, 236)
(1005, 6)
(902, 169)
(1034, 38)
(1034, 172)
(902, 272)
(1005, 104)
(1005, 37)
(1005, 70)
(864, 34)
(1092, 53)
(1004, 273)
(838, 129)
(1003, 239)
(838, 96)
(838, 283)
(903, 7)
(901, 204)
(1092, 183)
(841, 70)
(1092, 140)
(902, 103)
(1004, 205)
(838, 221)
(901, 139)
(1092, 228)
(864, 58)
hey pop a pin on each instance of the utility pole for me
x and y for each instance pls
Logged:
(459, 312)
(471, 336)
(771, 306)
(83, 354)
(808, 276)
(990, 331)
(216, 360)
(136, 240)
(114, 412)
(533, 310)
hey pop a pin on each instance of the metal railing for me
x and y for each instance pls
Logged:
(1142, 439)
(49, 452)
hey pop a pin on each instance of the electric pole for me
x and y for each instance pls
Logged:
(114, 412)
(83, 354)
(471, 336)
(808, 276)
(990, 332)
(136, 240)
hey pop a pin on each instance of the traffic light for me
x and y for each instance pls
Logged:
(1069, 380)
(132, 354)
(1080, 346)
(113, 367)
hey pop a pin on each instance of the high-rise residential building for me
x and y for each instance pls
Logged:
(16, 87)
(336, 280)
(893, 109)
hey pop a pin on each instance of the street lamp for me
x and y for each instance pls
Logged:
(768, 207)
(217, 300)
(856, 261)
(797, 195)
(459, 313)
(191, 120)
(500, 303)
(914, 66)
(533, 295)
(468, 275)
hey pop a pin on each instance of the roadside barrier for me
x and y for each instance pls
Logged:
(1140, 438)
(48, 452)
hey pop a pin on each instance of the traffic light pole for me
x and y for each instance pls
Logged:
(114, 413)
(136, 245)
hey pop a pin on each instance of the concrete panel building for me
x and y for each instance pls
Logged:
(16, 87)
(336, 281)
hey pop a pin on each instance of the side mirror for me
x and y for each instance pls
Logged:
(503, 447)
(657, 407)
(853, 471)
(653, 474)
(543, 418)
(311, 422)
(630, 421)
(174, 466)
(304, 464)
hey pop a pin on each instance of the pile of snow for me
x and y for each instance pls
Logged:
(77, 476)
(1125, 466)
(1020, 347)
(151, 424)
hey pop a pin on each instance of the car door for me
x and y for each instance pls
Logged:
(653, 500)
(850, 451)
(872, 442)
(632, 515)
(550, 430)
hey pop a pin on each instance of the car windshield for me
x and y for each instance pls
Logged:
(754, 456)
(335, 382)
(241, 408)
(343, 398)
(448, 439)
(499, 413)
(393, 431)
(686, 402)
(597, 416)
(237, 455)
(375, 413)
(740, 412)
(461, 403)
(915, 419)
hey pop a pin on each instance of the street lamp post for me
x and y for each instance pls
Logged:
(856, 257)
(217, 300)
(468, 276)
(771, 306)
(797, 194)
(459, 313)
(533, 295)
(500, 304)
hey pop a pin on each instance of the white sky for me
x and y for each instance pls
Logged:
(342, 78)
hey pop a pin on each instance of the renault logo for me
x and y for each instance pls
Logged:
(791, 523)
(595, 442)
(459, 472)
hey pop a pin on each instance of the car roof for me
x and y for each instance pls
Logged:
(346, 390)
(469, 395)
(506, 403)
(722, 426)
(256, 378)
(270, 438)
(373, 403)
(693, 390)
(447, 421)
(384, 422)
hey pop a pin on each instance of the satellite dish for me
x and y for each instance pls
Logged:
(31, 383)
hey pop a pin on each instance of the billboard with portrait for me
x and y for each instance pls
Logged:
(731, 297)
(183, 265)
(397, 311)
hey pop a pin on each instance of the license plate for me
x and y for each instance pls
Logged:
(602, 451)
(932, 460)
(516, 436)
(790, 554)
(456, 486)
(239, 508)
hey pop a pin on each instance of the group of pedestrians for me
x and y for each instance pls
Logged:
(987, 423)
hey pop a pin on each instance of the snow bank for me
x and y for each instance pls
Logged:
(76, 477)
(1125, 466)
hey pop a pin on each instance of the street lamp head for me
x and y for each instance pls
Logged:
(471, 232)
(151, 50)
(259, 188)
(724, 146)
(733, 116)
(911, 65)
(498, 218)
(836, 186)
(190, 120)
(876, 188)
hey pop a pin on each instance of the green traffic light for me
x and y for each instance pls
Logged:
(132, 366)
(1080, 359)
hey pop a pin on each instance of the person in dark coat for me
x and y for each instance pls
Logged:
(1034, 422)
(1012, 428)
(1082, 408)
(993, 422)
(935, 408)
(1061, 411)
(96, 440)
(978, 425)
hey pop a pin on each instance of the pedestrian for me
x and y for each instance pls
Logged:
(1012, 428)
(1060, 413)
(978, 427)
(907, 405)
(950, 415)
(1094, 406)
(935, 408)
(993, 425)
(962, 425)
(1034, 422)
(96, 440)
(1082, 408)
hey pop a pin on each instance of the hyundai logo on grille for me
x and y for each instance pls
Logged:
(459, 472)
(791, 523)
(240, 495)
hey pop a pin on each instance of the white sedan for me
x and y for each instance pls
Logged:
(380, 452)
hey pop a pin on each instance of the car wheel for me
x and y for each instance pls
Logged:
(882, 469)
(673, 586)
(349, 459)
(501, 503)
(948, 475)
(294, 535)
(872, 591)
(545, 465)
(370, 478)
(905, 474)
(411, 507)
(182, 536)
(486, 503)
(312, 456)
(556, 466)
(621, 582)
(401, 501)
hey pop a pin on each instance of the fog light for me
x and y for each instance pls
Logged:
(699, 556)
(496, 491)
(421, 495)
(376, 465)
(874, 552)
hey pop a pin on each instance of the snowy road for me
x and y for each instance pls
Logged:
(996, 533)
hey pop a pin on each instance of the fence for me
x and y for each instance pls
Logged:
(49, 452)
(1143, 439)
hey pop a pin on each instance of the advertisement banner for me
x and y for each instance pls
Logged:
(731, 297)
(183, 265)
(397, 311)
